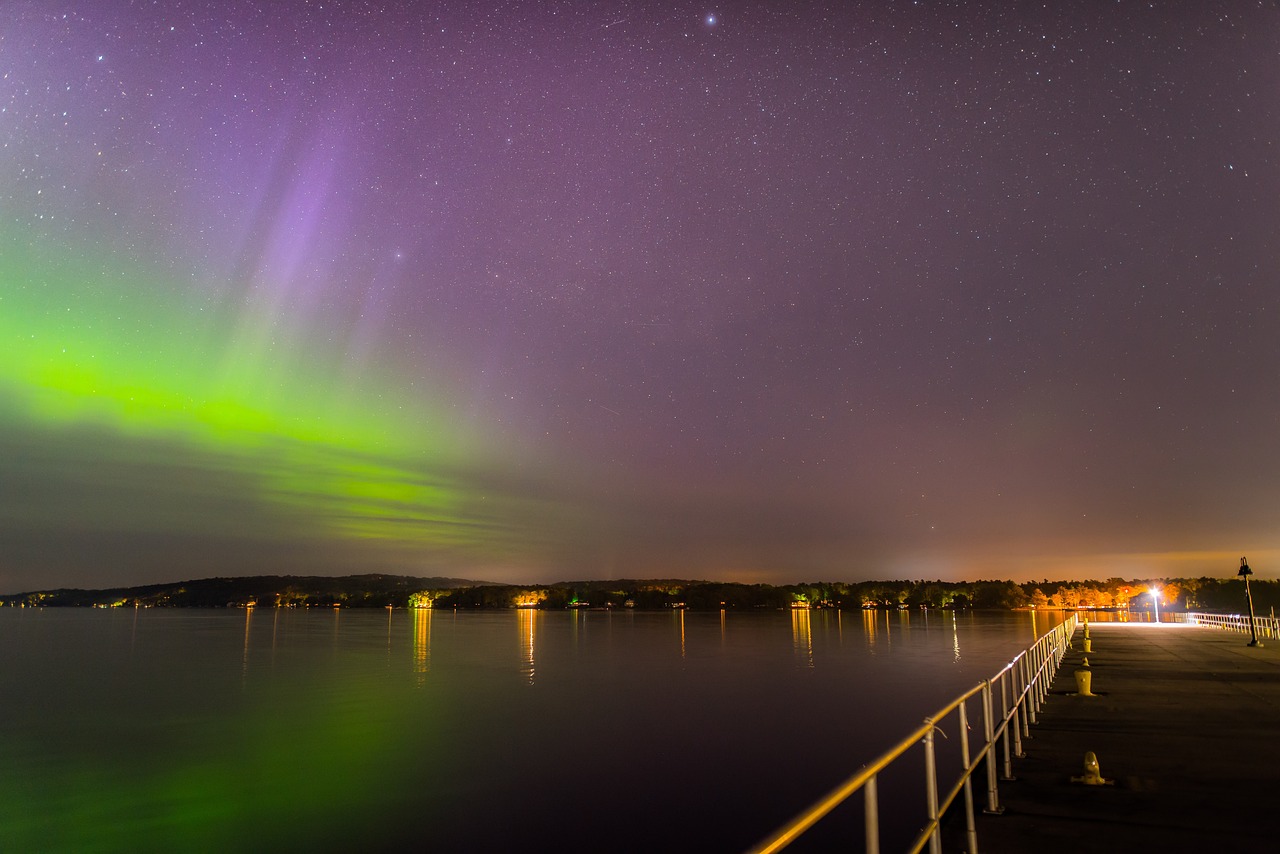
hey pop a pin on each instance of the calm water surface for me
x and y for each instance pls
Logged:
(165, 730)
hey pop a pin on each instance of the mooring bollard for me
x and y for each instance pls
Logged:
(1092, 773)
(1088, 645)
(1084, 682)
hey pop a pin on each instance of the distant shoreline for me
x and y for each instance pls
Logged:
(397, 591)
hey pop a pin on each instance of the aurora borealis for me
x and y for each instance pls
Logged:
(570, 290)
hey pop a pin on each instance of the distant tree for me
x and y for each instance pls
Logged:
(999, 594)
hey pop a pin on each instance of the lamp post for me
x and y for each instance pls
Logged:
(1155, 597)
(1244, 573)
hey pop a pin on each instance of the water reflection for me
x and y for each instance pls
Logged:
(879, 625)
(871, 626)
(244, 662)
(421, 643)
(680, 613)
(527, 623)
(390, 642)
(133, 763)
(275, 629)
(802, 636)
(955, 637)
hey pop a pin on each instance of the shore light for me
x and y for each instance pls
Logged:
(1244, 573)
(1155, 597)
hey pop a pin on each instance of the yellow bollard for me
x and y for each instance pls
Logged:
(1086, 628)
(1084, 662)
(1092, 773)
(1088, 645)
(1084, 682)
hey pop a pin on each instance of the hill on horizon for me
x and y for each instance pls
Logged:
(220, 591)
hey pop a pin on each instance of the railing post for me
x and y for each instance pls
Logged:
(1028, 693)
(871, 816)
(1019, 683)
(971, 830)
(931, 789)
(1040, 668)
(988, 731)
(1004, 732)
(1018, 714)
(1039, 677)
(1031, 685)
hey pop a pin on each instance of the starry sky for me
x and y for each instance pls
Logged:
(540, 291)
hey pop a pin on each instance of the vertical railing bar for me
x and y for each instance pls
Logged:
(993, 789)
(871, 817)
(1018, 715)
(1019, 687)
(1040, 675)
(931, 790)
(1042, 659)
(1029, 693)
(1024, 691)
(971, 829)
(1004, 733)
(1037, 681)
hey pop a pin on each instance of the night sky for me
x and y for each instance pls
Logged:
(566, 290)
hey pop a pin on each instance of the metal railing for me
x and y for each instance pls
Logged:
(1010, 700)
(1267, 627)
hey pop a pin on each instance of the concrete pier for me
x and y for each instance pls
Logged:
(1186, 722)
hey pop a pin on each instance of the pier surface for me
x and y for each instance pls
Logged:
(1187, 725)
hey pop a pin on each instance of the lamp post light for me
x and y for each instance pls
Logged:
(1244, 573)
(1155, 597)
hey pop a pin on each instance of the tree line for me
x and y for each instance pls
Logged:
(1180, 594)
(1176, 594)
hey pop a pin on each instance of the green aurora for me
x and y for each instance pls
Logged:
(110, 357)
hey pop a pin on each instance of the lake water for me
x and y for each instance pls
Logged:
(318, 730)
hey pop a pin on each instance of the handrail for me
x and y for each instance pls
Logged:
(1266, 627)
(1023, 685)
